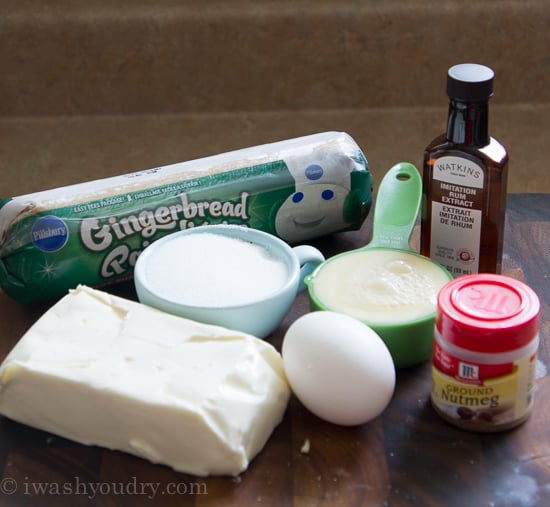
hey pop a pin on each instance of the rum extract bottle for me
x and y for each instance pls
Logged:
(464, 180)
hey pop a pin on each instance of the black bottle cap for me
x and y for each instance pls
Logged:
(470, 82)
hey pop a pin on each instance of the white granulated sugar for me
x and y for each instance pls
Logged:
(213, 270)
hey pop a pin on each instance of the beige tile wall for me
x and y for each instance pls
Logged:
(91, 89)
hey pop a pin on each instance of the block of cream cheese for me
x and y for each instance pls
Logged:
(103, 370)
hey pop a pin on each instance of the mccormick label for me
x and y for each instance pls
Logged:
(456, 214)
(482, 395)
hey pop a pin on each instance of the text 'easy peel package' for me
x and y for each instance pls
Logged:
(92, 233)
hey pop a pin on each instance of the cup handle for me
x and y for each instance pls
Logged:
(308, 258)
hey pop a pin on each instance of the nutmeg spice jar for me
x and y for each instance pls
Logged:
(485, 351)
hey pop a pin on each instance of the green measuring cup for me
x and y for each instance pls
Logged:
(386, 284)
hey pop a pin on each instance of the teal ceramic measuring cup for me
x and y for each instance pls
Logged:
(386, 284)
(257, 315)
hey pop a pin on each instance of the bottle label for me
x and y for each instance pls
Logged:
(457, 201)
(482, 395)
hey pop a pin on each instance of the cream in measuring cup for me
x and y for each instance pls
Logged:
(381, 285)
(386, 284)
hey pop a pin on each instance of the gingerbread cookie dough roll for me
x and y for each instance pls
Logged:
(92, 233)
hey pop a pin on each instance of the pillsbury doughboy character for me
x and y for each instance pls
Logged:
(323, 200)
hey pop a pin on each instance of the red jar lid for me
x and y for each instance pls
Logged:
(487, 313)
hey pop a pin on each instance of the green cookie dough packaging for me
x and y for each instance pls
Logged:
(92, 233)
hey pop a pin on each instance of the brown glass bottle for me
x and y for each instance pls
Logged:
(464, 181)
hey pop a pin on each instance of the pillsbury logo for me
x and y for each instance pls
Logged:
(314, 172)
(49, 234)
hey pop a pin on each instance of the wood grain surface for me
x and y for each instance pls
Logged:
(407, 456)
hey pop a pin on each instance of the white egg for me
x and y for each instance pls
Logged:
(338, 367)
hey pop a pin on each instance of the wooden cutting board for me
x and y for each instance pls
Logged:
(407, 456)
